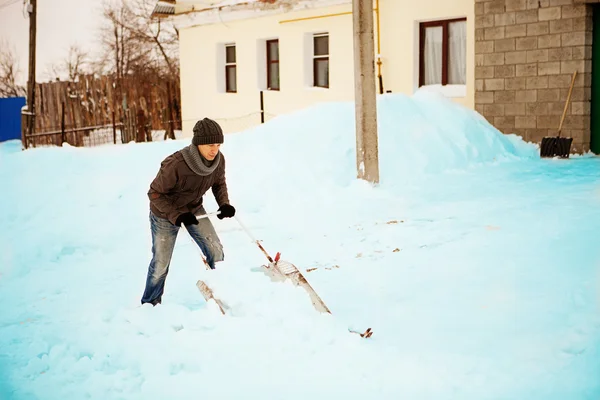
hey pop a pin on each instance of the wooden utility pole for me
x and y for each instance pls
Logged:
(30, 120)
(365, 91)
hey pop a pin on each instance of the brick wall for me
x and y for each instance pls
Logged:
(525, 54)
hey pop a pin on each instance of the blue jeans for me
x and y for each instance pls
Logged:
(164, 234)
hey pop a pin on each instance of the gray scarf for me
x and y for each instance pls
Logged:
(200, 165)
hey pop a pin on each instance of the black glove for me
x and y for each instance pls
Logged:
(187, 218)
(226, 211)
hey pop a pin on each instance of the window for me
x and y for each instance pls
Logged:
(321, 60)
(442, 52)
(273, 64)
(230, 69)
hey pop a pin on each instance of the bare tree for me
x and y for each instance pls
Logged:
(163, 36)
(127, 51)
(122, 54)
(9, 72)
(136, 42)
(53, 71)
(75, 64)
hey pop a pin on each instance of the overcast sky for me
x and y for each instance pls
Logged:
(60, 23)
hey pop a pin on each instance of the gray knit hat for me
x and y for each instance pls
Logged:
(207, 131)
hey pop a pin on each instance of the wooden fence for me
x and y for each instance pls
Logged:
(135, 105)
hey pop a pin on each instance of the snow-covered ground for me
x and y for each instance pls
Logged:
(475, 262)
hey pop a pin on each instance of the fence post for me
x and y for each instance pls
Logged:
(114, 128)
(24, 128)
(170, 112)
(74, 134)
(62, 123)
(262, 108)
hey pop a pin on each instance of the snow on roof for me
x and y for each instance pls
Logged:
(202, 12)
(203, 4)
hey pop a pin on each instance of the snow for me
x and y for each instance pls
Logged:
(474, 261)
(221, 11)
(205, 5)
(448, 90)
(215, 3)
(224, 3)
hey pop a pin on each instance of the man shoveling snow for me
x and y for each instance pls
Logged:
(176, 198)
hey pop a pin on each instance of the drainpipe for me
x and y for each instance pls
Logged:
(379, 76)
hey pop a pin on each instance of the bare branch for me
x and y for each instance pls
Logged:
(53, 71)
(76, 62)
(152, 36)
(9, 72)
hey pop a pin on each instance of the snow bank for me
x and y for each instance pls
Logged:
(9, 146)
(425, 133)
(312, 152)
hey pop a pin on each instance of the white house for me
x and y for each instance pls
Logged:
(299, 52)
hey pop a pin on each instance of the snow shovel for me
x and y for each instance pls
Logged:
(559, 146)
(279, 270)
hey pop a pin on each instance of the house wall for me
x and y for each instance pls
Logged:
(202, 68)
(526, 54)
(400, 41)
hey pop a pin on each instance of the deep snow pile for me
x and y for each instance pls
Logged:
(311, 154)
(474, 262)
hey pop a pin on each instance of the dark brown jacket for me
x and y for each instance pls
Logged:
(177, 189)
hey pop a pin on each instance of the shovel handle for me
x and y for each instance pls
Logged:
(567, 103)
(212, 214)
(245, 230)
(253, 239)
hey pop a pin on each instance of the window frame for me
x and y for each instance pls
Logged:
(270, 61)
(315, 58)
(444, 23)
(230, 65)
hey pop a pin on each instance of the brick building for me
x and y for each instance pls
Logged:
(526, 52)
